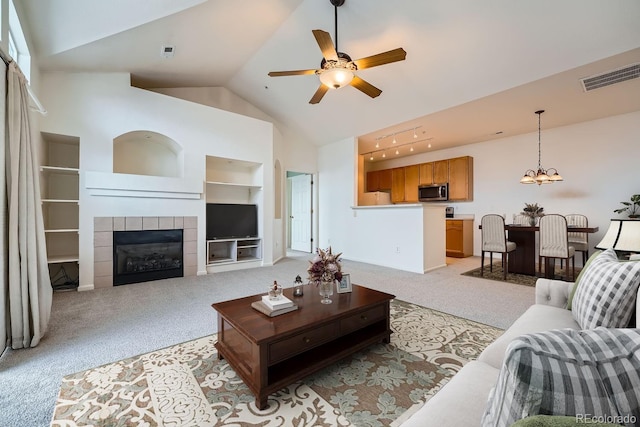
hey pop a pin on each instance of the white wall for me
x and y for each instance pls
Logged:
(598, 160)
(98, 107)
(336, 185)
(293, 152)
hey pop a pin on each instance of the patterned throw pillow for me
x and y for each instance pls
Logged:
(572, 294)
(607, 292)
(592, 375)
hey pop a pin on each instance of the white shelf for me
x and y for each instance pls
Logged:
(59, 169)
(60, 198)
(234, 184)
(59, 259)
(232, 251)
(59, 201)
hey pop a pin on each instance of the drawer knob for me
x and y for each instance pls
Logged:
(363, 317)
(306, 340)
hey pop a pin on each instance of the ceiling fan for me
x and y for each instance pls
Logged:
(337, 69)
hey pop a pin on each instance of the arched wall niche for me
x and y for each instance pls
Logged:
(143, 152)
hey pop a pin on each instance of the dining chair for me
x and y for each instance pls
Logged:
(554, 243)
(494, 239)
(520, 219)
(579, 241)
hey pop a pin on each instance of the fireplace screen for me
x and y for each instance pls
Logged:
(140, 256)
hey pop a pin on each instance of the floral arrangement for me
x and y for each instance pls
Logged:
(532, 210)
(325, 267)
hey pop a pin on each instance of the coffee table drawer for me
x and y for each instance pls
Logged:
(362, 319)
(302, 342)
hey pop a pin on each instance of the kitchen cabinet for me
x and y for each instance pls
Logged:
(403, 182)
(385, 180)
(373, 181)
(459, 237)
(440, 171)
(461, 179)
(397, 185)
(426, 173)
(411, 179)
(379, 180)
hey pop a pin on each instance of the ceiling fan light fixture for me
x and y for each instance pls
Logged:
(336, 74)
(335, 78)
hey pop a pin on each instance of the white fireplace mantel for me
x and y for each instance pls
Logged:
(131, 185)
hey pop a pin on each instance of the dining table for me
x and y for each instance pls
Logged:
(523, 259)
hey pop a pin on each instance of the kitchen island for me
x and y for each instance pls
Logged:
(408, 237)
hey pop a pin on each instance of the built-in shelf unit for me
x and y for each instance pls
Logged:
(224, 251)
(240, 182)
(60, 207)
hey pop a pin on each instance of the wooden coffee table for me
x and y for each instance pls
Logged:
(270, 353)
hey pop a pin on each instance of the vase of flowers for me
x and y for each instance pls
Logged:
(533, 212)
(324, 270)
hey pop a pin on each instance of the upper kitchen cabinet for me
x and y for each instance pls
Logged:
(397, 185)
(379, 180)
(461, 178)
(426, 173)
(404, 184)
(411, 179)
(441, 172)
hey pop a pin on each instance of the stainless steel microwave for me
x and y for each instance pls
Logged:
(433, 193)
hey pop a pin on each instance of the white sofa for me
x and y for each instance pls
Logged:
(462, 401)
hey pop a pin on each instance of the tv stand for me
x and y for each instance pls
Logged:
(233, 251)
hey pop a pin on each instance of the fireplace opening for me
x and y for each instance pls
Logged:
(141, 256)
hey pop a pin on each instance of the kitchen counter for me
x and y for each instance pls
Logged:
(408, 237)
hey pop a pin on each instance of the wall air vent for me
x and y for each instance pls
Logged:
(611, 77)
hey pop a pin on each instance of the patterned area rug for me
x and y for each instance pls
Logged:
(518, 279)
(186, 385)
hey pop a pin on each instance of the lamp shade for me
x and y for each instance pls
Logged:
(622, 235)
(335, 78)
(629, 238)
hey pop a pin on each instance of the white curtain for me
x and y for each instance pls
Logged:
(4, 280)
(29, 288)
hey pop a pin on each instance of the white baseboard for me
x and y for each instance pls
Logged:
(88, 287)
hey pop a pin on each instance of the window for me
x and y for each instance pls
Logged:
(17, 42)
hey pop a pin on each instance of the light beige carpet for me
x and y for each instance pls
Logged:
(186, 385)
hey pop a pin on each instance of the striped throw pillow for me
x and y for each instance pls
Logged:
(590, 374)
(607, 292)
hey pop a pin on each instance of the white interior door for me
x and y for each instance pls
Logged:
(300, 215)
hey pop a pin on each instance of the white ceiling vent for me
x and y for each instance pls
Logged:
(611, 77)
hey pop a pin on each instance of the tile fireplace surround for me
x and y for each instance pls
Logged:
(103, 228)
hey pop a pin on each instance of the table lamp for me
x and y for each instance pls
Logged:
(623, 235)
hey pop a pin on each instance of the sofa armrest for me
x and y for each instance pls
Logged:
(553, 292)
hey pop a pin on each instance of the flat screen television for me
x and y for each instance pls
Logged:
(229, 221)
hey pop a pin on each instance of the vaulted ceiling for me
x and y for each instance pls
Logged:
(474, 70)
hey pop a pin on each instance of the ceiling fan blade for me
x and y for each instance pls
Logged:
(394, 55)
(291, 73)
(326, 45)
(317, 97)
(365, 87)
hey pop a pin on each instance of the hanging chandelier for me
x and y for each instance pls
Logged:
(541, 176)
